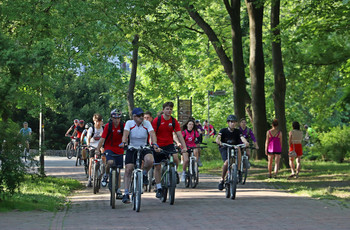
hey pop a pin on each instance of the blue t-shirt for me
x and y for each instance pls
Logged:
(25, 132)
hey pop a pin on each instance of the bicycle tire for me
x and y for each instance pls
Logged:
(78, 156)
(94, 178)
(187, 178)
(150, 179)
(164, 183)
(227, 187)
(138, 191)
(245, 171)
(172, 185)
(233, 181)
(69, 150)
(99, 176)
(132, 190)
(194, 174)
(114, 184)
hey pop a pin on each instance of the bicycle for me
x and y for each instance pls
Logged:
(113, 184)
(244, 164)
(98, 169)
(137, 178)
(192, 174)
(168, 178)
(78, 154)
(87, 160)
(231, 179)
(70, 148)
(151, 180)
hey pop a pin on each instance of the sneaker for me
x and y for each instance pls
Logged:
(126, 199)
(177, 178)
(159, 193)
(200, 163)
(183, 177)
(104, 181)
(145, 180)
(221, 185)
(89, 184)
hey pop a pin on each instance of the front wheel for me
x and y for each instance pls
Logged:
(194, 176)
(245, 170)
(138, 191)
(69, 150)
(114, 184)
(172, 185)
(95, 182)
(233, 181)
(164, 182)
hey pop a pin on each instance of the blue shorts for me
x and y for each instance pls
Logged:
(117, 158)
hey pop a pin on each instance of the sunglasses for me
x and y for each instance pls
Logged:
(232, 121)
(140, 115)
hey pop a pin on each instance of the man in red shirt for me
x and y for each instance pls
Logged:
(164, 131)
(112, 138)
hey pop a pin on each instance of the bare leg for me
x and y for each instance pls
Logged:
(127, 175)
(298, 164)
(277, 163)
(291, 164)
(224, 170)
(157, 173)
(269, 163)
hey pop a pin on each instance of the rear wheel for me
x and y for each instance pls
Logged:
(194, 176)
(113, 179)
(150, 179)
(95, 177)
(227, 186)
(172, 185)
(234, 181)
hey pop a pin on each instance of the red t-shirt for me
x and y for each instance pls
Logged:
(117, 139)
(165, 131)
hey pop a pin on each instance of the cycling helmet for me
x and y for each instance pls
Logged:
(231, 118)
(81, 122)
(76, 121)
(88, 125)
(116, 113)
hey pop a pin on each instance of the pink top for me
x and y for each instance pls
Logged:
(274, 143)
(190, 137)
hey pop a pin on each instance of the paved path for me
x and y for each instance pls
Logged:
(202, 208)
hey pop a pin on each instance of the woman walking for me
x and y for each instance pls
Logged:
(273, 147)
(295, 138)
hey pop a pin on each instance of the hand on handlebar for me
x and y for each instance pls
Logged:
(122, 145)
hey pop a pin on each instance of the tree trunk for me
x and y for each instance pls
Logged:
(235, 69)
(257, 73)
(280, 80)
(132, 82)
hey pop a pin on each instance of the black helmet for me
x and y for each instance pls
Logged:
(231, 118)
(88, 125)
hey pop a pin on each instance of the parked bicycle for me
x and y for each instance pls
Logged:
(168, 178)
(232, 179)
(192, 173)
(137, 178)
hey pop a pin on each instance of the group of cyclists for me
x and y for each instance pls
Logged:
(162, 133)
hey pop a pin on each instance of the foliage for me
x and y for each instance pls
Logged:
(12, 168)
(212, 151)
(334, 145)
(40, 193)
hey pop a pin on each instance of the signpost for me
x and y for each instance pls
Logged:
(184, 111)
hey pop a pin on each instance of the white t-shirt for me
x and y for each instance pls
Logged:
(97, 136)
(138, 134)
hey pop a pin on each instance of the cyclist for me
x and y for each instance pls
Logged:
(231, 136)
(211, 131)
(83, 140)
(26, 134)
(310, 135)
(137, 131)
(190, 135)
(78, 131)
(164, 126)
(201, 131)
(75, 124)
(111, 139)
(94, 134)
(247, 134)
(148, 116)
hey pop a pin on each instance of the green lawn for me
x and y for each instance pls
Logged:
(322, 180)
(36, 193)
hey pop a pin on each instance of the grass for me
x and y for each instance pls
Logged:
(37, 193)
(320, 180)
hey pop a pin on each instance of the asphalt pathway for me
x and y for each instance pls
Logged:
(204, 207)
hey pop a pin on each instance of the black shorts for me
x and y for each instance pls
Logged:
(131, 155)
(91, 152)
(223, 151)
(158, 157)
(274, 153)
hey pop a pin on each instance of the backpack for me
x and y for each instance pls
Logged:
(160, 119)
(110, 127)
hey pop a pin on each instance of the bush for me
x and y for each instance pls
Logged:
(212, 151)
(334, 145)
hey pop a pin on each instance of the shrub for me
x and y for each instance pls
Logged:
(335, 145)
(212, 150)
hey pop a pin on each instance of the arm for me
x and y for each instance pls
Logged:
(266, 142)
(68, 131)
(218, 139)
(124, 138)
(176, 139)
(290, 138)
(251, 134)
(281, 139)
(154, 140)
(182, 141)
(244, 141)
(100, 144)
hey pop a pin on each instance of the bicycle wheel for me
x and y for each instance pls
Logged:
(78, 156)
(69, 150)
(132, 190)
(233, 181)
(138, 191)
(227, 187)
(114, 184)
(172, 185)
(95, 171)
(245, 170)
(99, 176)
(164, 183)
(188, 178)
(150, 180)
(194, 176)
